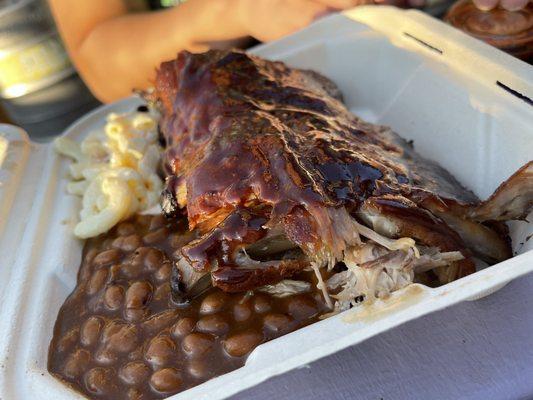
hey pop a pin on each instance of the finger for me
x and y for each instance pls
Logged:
(324, 13)
(513, 5)
(486, 5)
(297, 14)
(290, 17)
(340, 4)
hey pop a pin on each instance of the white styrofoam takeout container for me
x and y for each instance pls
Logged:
(464, 104)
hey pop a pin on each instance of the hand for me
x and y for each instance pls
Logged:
(343, 4)
(268, 20)
(509, 5)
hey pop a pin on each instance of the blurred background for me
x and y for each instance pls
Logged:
(41, 91)
(39, 88)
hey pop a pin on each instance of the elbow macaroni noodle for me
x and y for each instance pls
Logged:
(114, 170)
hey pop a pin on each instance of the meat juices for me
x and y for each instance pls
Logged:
(120, 336)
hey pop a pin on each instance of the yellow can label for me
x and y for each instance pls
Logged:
(31, 64)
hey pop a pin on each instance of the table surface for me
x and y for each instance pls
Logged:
(474, 350)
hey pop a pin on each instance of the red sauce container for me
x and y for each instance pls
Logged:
(510, 31)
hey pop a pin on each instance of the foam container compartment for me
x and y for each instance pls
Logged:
(464, 104)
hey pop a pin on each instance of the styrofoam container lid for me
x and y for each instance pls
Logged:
(466, 105)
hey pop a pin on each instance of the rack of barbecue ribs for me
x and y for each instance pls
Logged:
(276, 176)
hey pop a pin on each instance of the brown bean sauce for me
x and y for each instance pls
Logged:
(119, 335)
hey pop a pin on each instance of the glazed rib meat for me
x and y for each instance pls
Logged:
(277, 175)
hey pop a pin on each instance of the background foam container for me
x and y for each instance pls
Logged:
(466, 105)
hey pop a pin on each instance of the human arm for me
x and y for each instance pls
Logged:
(116, 51)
